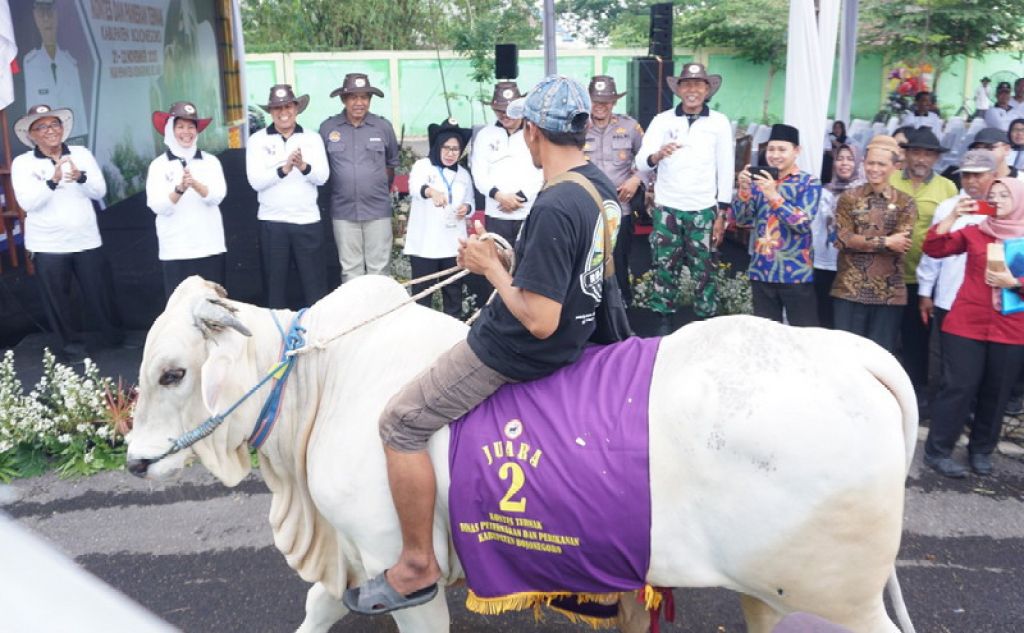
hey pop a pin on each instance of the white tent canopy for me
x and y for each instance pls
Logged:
(810, 51)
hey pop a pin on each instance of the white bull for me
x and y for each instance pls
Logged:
(777, 456)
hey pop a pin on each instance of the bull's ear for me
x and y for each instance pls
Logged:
(215, 373)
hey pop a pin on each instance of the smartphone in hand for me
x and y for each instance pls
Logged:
(773, 172)
(985, 208)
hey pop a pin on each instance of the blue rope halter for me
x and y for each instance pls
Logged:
(280, 371)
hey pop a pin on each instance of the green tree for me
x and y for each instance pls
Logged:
(329, 25)
(475, 26)
(619, 23)
(936, 31)
(323, 25)
(754, 29)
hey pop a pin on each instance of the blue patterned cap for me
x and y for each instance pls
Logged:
(556, 104)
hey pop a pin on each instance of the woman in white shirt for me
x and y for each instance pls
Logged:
(847, 172)
(184, 187)
(442, 196)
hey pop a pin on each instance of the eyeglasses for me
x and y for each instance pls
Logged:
(450, 150)
(45, 127)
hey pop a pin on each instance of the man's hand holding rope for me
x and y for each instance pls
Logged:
(539, 314)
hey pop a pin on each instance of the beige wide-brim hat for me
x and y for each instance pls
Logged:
(42, 111)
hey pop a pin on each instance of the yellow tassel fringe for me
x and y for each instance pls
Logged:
(536, 599)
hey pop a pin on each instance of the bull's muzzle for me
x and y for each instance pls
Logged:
(139, 467)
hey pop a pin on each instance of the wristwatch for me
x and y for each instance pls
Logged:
(178, 190)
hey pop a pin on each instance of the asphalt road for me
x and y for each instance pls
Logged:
(199, 555)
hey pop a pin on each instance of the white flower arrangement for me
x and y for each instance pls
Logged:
(65, 422)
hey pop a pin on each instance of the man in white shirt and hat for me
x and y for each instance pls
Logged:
(691, 147)
(57, 184)
(502, 168)
(285, 164)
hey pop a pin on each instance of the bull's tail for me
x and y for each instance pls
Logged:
(885, 368)
(892, 586)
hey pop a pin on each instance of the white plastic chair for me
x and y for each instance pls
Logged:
(857, 125)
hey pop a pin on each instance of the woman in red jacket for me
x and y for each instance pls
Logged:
(983, 349)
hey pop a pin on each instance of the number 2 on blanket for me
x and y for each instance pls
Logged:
(518, 479)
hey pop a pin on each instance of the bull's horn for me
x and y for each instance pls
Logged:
(214, 314)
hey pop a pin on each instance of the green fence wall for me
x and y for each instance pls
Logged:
(414, 97)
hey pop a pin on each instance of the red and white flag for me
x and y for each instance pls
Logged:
(8, 51)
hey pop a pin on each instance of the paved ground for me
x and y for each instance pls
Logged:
(200, 556)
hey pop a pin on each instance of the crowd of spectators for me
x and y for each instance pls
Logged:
(887, 248)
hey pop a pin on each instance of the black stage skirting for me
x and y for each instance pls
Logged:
(129, 242)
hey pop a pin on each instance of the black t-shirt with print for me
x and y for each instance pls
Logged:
(560, 255)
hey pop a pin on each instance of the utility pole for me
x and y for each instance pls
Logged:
(550, 61)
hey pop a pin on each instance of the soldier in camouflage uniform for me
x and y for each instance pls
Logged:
(691, 147)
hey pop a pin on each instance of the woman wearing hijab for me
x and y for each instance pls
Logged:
(837, 137)
(184, 187)
(442, 196)
(983, 349)
(1016, 138)
(847, 172)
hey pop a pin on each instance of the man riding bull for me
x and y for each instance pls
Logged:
(539, 322)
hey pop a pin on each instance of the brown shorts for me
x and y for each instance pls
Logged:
(439, 395)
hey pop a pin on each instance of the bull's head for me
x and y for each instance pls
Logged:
(190, 370)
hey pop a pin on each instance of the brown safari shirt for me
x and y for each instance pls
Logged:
(359, 158)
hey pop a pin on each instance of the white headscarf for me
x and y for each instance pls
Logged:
(184, 153)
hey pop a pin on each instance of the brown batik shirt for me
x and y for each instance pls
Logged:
(867, 271)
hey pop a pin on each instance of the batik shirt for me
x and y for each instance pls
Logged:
(782, 229)
(869, 272)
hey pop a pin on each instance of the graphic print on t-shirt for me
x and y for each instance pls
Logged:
(590, 279)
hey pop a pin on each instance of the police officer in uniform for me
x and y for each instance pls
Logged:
(612, 143)
(51, 73)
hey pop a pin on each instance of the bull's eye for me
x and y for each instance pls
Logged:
(172, 377)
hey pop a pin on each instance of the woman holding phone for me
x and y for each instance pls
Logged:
(983, 349)
(184, 188)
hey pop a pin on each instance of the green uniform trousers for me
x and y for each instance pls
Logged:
(678, 239)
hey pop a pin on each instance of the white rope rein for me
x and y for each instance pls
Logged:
(459, 273)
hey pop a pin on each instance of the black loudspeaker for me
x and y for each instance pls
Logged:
(661, 31)
(506, 61)
(649, 93)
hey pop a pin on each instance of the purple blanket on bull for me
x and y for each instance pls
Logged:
(550, 492)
